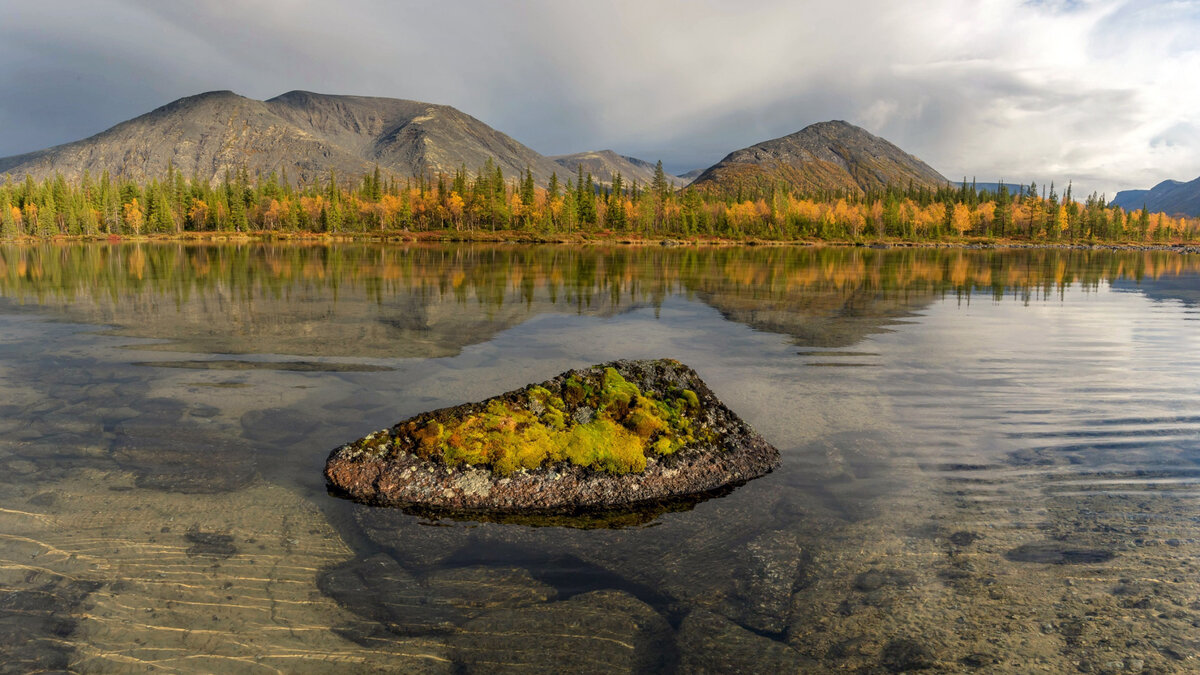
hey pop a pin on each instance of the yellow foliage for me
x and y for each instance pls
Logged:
(624, 427)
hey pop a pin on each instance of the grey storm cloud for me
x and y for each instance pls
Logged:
(1101, 92)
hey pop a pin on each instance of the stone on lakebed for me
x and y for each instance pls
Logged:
(608, 436)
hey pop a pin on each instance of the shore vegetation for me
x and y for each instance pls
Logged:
(486, 204)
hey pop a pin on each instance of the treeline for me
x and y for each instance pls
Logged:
(487, 200)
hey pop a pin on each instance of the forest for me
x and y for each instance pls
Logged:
(467, 203)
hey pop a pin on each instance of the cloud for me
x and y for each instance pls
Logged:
(1096, 91)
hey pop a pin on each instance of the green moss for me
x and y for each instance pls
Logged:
(538, 428)
(691, 399)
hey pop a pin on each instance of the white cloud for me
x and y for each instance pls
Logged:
(1100, 92)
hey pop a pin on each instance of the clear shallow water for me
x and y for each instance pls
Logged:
(991, 460)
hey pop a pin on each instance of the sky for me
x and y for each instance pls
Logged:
(1100, 93)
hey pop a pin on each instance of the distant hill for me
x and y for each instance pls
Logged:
(995, 187)
(304, 133)
(691, 175)
(603, 164)
(1170, 196)
(828, 155)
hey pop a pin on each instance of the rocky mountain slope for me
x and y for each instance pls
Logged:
(603, 164)
(828, 155)
(306, 134)
(1170, 196)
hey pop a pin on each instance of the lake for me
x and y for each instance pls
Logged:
(991, 460)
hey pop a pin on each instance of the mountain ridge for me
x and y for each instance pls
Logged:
(821, 156)
(305, 133)
(603, 164)
(1170, 196)
(310, 135)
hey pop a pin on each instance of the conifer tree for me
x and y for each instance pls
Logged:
(660, 186)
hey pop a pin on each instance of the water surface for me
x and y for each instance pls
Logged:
(991, 460)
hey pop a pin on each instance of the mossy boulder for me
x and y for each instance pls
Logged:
(615, 434)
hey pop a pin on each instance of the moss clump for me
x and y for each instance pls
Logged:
(597, 420)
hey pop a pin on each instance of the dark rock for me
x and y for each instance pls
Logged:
(36, 620)
(212, 544)
(771, 566)
(857, 647)
(599, 632)
(395, 467)
(710, 643)
(903, 654)
(1058, 553)
(977, 660)
(963, 538)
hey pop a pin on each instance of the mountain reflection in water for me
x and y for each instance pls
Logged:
(430, 301)
(991, 460)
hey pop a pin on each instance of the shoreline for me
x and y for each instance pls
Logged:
(600, 238)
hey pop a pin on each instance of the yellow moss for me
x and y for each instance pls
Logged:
(604, 445)
(644, 419)
(575, 392)
(616, 394)
(692, 400)
(625, 428)
(428, 437)
(554, 418)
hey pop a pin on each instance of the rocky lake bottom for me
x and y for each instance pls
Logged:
(990, 461)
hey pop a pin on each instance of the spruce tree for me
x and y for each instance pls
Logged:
(660, 186)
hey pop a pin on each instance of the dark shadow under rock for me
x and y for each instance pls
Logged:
(711, 643)
(380, 590)
(1058, 553)
(673, 558)
(597, 632)
(612, 435)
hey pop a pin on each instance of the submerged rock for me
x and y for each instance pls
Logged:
(1058, 553)
(711, 643)
(615, 434)
(606, 631)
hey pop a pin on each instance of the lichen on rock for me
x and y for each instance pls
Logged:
(612, 434)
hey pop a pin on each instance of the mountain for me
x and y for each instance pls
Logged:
(1170, 196)
(691, 175)
(995, 187)
(306, 134)
(602, 164)
(828, 155)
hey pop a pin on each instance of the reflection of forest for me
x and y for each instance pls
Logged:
(1183, 288)
(426, 301)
